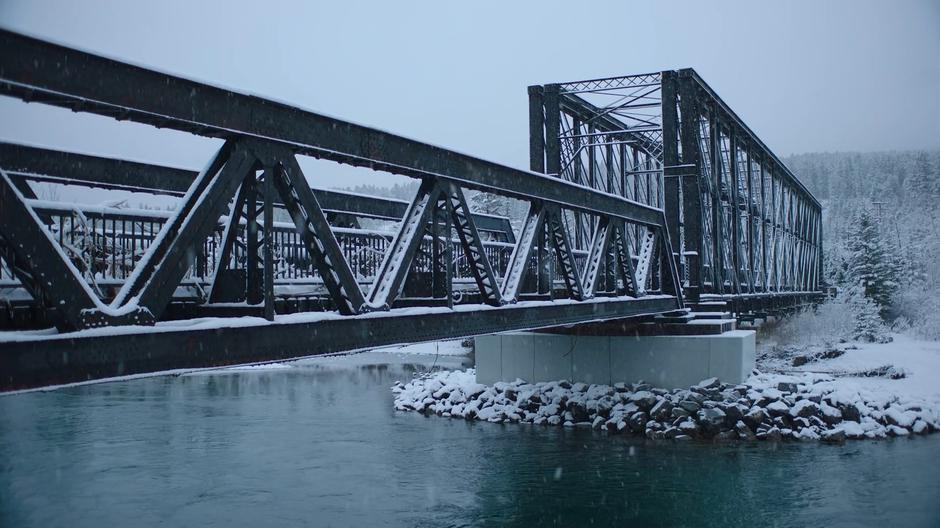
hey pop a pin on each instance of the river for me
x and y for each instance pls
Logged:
(319, 444)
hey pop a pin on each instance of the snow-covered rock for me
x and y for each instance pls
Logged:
(805, 406)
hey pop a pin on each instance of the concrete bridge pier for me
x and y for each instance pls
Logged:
(668, 355)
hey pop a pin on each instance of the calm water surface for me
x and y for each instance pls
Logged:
(320, 445)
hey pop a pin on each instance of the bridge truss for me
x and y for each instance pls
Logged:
(746, 232)
(248, 236)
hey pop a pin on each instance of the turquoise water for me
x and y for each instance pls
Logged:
(320, 445)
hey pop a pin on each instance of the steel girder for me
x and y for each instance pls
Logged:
(35, 70)
(24, 162)
(56, 360)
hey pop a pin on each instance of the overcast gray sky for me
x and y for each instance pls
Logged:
(806, 76)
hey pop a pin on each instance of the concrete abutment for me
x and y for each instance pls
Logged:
(667, 361)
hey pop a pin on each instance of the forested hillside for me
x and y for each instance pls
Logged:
(881, 231)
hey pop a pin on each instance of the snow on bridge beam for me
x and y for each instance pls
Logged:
(39, 71)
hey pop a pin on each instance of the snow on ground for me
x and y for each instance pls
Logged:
(434, 348)
(918, 360)
(816, 401)
(263, 366)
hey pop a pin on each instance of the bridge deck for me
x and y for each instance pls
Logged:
(32, 361)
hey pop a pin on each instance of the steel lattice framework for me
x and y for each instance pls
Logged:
(223, 241)
(746, 231)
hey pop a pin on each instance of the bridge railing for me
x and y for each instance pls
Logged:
(105, 244)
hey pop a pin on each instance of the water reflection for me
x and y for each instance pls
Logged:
(319, 444)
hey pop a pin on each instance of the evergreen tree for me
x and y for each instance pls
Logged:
(923, 185)
(869, 325)
(870, 264)
(488, 203)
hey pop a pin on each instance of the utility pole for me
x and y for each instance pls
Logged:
(880, 206)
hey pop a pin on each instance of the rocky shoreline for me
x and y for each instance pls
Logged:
(768, 407)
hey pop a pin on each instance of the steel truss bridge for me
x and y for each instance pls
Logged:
(646, 195)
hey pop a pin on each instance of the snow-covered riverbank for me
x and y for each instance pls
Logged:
(914, 363)
(816, 401)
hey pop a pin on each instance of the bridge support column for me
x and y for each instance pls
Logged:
(667, 361)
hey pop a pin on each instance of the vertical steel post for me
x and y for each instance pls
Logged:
(609, 151)
(750, 219)
(577, 169)
(269, 241)
(765, 274)
(536, 130)
(623, 170)
(692, 221)
(592, 156)
(441, 252)
(671, 160)
(718, 256)
(819, 251)
(252, 266)
(545, 157)
(544, 263)
(735, 209)
(552, 130)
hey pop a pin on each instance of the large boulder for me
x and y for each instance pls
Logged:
(755, 417)
(578, 410)
(689, 427)
(799, 422)
(679, 412)
(637, 422)
(710, 383)
(895, 416)
(777, 408)
(833, 436)
(804, 409)
(772, 435)
(732, 411)
(603, 406)
(744, 432)
(662, 410)
(831, 415)
(852, 429)
(697, 397)
(850, 412)
(725, 436)
(711, 420)
(645, 400)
